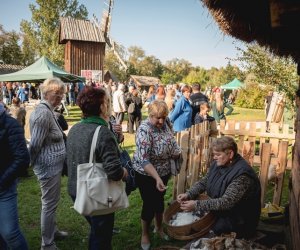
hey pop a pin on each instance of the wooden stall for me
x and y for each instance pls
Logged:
(84, 45)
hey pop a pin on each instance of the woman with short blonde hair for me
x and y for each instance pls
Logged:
(156, 149)
(52, 85)
(158, 108)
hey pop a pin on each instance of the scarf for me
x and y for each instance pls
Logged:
(94, 119)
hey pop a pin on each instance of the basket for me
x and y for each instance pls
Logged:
(189, 231)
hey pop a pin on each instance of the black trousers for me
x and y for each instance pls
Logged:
(134, 119)
(153, 200)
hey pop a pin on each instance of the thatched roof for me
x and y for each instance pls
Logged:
(145, 80)
(272, 23)
(9, 68)
(79, 30)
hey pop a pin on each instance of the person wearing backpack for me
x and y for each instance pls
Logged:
(135, 105)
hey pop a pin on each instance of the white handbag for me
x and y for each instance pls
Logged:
(95, 193)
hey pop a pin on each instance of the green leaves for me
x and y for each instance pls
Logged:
(41, 33)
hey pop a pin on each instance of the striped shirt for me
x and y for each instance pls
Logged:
(47, 148)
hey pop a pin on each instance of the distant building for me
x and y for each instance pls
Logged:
(9, 68)
(144, 82)
(84, 45)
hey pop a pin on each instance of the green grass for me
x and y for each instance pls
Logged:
(67, 219)
(243, 114)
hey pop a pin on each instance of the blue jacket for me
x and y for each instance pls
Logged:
(14, 159)
(181, 115)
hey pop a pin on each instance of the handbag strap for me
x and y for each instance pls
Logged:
(54, 117)
(93, 146)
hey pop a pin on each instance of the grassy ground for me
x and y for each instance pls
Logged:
(127, 220)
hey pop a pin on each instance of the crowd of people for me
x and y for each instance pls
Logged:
(157, 156)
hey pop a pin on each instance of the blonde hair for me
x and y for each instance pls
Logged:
(158, 108)
(52, 84)
(219, 101)
(170, 98)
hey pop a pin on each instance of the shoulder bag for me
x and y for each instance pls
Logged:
(95, 193)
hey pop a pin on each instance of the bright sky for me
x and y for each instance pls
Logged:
(166, 29)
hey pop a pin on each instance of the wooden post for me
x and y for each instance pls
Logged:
(248, 151)
(274, 128)
(184, 144)
(265, 162)
(241, 137)
(282, 162)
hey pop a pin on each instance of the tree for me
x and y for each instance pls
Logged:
(10, 51)
(178, 69)
(197, 75)
(271, 70)
(112, 64)
(41, 33)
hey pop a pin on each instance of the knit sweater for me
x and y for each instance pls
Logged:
(235, 197)
(47, 149)
(78, 150)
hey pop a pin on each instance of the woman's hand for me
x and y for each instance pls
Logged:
(117, 128)
(188, 206)
(160, 185)
(182, 197)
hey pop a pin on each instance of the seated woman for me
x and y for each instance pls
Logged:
(204, 116)
(233, 188)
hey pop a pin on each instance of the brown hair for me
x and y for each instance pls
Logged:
(90, 100)
(225, 143)
(16, 101)
(160, 92)
(186, 88)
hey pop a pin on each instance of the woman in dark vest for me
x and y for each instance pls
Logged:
(233, 188)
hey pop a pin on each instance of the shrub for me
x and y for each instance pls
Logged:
(253, 96)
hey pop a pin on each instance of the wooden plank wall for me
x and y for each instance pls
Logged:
(82, 55)
(294, 186)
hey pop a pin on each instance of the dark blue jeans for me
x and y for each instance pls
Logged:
(101, 231)
(10, 233)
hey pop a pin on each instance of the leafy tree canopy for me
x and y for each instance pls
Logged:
(268, 69)
(10, 51)
(41, 33)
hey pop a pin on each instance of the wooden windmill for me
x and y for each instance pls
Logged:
(105, 28)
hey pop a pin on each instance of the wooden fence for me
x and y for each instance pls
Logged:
(254, 144)
(251, 135)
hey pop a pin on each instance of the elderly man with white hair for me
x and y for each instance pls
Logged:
(119, 104)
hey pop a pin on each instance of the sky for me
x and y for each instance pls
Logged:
(166, 29)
